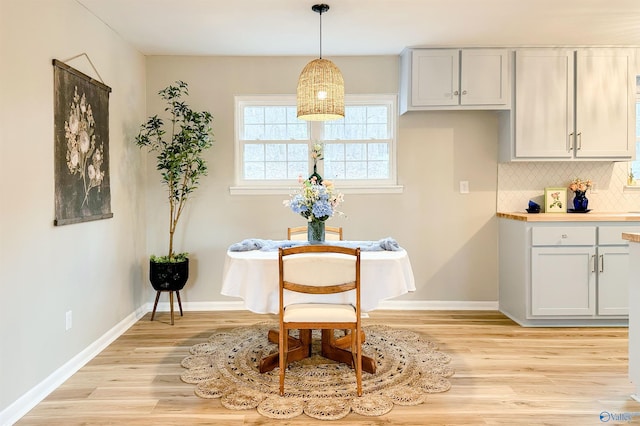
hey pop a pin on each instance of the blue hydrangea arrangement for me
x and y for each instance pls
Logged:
(315, 201)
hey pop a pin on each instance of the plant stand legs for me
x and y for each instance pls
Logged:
(155, 305)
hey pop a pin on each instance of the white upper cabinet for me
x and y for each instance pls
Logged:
(436, 79)
(572, 104)
(605, 104)
(543, 108)
(484, 77)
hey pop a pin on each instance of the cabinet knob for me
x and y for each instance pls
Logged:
(464, 92)
(456, 93)
(565, 236)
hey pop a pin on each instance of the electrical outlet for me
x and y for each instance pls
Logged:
(464, 186)
(68, 320)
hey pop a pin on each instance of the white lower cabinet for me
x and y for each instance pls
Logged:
(562, 281)
(563, 274)
(613, 270)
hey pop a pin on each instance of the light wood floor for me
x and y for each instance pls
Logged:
(505, 375)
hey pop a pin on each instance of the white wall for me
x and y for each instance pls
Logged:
(93, 269)
(451, 238)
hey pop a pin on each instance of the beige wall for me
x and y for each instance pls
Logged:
(451, 238)
(93, 269)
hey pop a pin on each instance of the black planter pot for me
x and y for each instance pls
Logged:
(169, 276)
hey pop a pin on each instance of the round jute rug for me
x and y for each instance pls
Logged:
(408, 368)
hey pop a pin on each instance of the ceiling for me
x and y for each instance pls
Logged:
(362, 27)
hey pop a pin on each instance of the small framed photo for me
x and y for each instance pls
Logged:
(555, 200)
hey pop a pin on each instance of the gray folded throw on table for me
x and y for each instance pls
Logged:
(385, 244)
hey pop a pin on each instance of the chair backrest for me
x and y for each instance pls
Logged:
(320, 269)
(299, 233)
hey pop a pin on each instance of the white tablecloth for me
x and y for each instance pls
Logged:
(253, 276)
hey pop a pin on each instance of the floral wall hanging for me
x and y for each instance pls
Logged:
(81, 147)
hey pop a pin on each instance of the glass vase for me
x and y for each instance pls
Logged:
(580, 201)
(315, 231)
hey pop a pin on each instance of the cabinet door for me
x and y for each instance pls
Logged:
(435, 77)
(605, 105)
(562, 281)
(634, 315)
(543, 103)
(613, 280)
(484, 77)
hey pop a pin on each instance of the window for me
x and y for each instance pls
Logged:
(634, 166)
(272, 146)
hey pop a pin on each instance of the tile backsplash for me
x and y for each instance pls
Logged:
(520, 182)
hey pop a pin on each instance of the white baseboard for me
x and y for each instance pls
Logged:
(199, 306)
(438, 305)
(26, 402)
(30, 399)
(393, 305)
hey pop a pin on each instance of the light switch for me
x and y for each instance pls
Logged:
(464, 186)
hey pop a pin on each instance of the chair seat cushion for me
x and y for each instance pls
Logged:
(319, 312)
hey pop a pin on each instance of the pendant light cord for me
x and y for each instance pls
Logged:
(320, 34)
(320, 8)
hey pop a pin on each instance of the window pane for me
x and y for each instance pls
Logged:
(355, 131)
(253, 170)
(377, 131)
(298, 152)
(634, 166)
(356, 151)
(275, 132)
(377, 115)
(298, 131)
(254, 152)
(275, 170)
(355, 114)
(273, 123)
(253, 132)
(334, 170)
(297, 169)
(360, 123)
(254, 115)
(333, 132)
(275, 114)
(378, 151)
(275, 152)
(378, 170)
(355, 170)
(333, 151)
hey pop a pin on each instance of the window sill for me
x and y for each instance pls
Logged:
(281, 190)
(631, 188)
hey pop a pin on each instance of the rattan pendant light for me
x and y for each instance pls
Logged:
(320, 86)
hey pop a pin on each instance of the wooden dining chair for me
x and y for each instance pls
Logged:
(314, 271)
(299, 233)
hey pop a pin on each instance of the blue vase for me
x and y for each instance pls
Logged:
(580, 201)
(315, 231)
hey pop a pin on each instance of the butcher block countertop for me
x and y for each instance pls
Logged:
(593, 216)
(634, 238)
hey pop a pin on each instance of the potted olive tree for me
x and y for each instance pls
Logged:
(179, 158)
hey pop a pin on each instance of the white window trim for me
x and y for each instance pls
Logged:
(636, 187)
(279, 187)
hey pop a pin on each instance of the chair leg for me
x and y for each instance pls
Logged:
(155, 305)
(282, 356)
(358, 361)
(171, 305)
